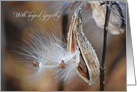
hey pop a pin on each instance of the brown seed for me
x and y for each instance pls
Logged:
(62, 64)
(36, 64)
(81, 66)
(88, 6)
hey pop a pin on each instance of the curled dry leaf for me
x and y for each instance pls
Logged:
(88, 64)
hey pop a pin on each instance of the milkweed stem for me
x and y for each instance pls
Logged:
(102, 68)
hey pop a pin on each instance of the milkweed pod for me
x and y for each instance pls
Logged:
(117, 20)
(88, 64)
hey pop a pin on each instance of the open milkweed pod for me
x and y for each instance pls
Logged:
(117, 20)
(88, 64)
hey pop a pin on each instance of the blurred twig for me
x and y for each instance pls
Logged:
(65, 21)
(64, 27)
(104, 46)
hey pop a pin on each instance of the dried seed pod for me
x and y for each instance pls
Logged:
(117, 20)
(117, 17)
(88, 64)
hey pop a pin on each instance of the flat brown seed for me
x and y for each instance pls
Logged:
(36, 64)
(62, 64)
(81, 66)
(88, 6)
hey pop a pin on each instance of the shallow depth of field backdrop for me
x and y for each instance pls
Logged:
(14, 30)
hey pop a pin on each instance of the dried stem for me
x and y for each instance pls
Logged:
(64, 27)
(104, 46)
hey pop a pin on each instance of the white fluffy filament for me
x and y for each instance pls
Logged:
(48, 51)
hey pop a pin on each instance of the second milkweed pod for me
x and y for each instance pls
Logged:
(88, 64)
(117, 20)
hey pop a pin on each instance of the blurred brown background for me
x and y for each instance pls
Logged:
(14, 74)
